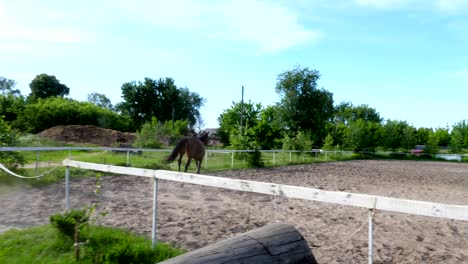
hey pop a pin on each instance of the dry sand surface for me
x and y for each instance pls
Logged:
(193, 216)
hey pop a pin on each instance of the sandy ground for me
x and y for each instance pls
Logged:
(192, 216)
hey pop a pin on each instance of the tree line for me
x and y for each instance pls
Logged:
(305, 117)
(47, 105)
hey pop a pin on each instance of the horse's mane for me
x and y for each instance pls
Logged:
(203, 137)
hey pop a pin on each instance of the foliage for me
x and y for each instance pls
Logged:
(254, 159)
(303, 106)
(46, 113)
(151, 132)
(443, 135)
(245, 142)
(268, 131)
(67, 221)
(300, 142)
(9, 138)
(44, 244)
(44, 86)
(346, 113)
(408, 138)
(100, 100)
(362, 136)
(11, 108)
(459, 137)
(177, 129)
(148, 135)
(7, 87)
(328, 142)
(161, 99)
(229, 120)
(432, 145)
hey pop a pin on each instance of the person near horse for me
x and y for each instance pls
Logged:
(194, 147)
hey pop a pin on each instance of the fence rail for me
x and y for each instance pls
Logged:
(371, 202)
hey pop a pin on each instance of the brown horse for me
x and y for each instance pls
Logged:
(194, 147)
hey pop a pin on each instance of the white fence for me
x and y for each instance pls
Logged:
(458, 212)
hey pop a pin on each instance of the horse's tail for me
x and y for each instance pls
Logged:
(177, 149)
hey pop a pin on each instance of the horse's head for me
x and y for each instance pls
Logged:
(203, 137)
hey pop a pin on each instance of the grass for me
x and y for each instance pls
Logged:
(44, 244)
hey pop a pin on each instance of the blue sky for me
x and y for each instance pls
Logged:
(408, 59)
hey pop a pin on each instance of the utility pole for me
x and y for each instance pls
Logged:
(242, 111)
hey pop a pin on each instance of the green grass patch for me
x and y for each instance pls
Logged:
(44, 244)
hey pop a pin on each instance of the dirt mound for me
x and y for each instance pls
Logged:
(88, 134)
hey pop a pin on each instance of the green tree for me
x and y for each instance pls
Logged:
(300, 142)
(44, 86)
(304, 107)
(443, 135)
(459, 136)
(346, 112)
(408, 139)
(422, 135)
(229, 120)
(268, 131)
(432, 145)
(46, 113)
(328, 143)
(161, 99)
(100, 100)
(456, 141)
(7, 87)
(149, 134)
(9, 138)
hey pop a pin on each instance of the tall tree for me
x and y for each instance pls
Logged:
(229, 120)
(7, 87)
(161, 99)
(346, 112)
(303, 106)
(100, 100)
(44, 86)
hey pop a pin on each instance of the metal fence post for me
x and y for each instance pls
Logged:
(155, 211)
(67, 188)
(232, 159)
(274, 160)
(371, 248)
(128, 158)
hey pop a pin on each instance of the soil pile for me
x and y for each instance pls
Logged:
(88, 134)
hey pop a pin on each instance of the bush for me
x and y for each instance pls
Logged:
(67, 222)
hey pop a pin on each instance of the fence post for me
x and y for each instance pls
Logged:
(274, 160)
(371, 230)
(128, 158)
(67, 188)
(206, 160)
(155, 211)
(232, 159)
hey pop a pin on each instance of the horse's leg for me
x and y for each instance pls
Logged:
(198, 162)
(180, 160)
(187, 164)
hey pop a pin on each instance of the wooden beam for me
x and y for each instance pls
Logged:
(274, 243)
(459, 212)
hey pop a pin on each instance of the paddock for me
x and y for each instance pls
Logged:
(192, 216)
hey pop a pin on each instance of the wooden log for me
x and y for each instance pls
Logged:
(274, 243)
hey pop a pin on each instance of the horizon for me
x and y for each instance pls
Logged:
(405, 58)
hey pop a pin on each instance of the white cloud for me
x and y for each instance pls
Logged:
(269, 26)
(24, 22)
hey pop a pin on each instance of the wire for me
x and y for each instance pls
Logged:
(26, 177)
